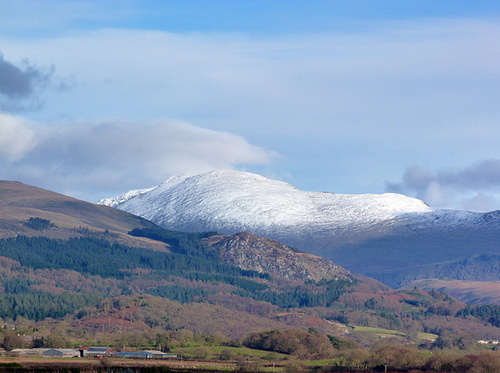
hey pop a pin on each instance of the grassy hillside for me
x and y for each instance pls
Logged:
(71, 217)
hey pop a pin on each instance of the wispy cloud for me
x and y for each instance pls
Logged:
(16, 138)
(398, 77)
(475, 187)
(348, 109)
(118, 155)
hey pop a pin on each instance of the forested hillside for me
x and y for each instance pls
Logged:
(189, 259)
(64, 285)
(109, 290)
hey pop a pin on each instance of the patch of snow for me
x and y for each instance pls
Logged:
(115, 201)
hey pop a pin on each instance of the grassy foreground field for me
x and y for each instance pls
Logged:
(389, 358)
(8, 364)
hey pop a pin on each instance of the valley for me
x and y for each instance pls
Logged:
(75, 274)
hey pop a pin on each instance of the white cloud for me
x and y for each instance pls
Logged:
(116, 155)
(16, 137)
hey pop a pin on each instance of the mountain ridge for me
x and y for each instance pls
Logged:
(86, 285)
(67, 217)
(370, 234)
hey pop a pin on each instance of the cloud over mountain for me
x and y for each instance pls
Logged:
(107, 154)
(474, 187)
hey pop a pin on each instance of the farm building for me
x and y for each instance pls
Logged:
(95, 351)
(61, 352)
(28, 352)
(145, 354)
(160, 355)
(134, 355)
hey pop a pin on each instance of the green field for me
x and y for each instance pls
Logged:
(388, 332)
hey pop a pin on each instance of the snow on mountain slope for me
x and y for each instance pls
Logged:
(232, 201)
(383, 236)
(115, 201)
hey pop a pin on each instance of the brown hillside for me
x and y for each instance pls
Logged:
(471, 292)
(19, 202)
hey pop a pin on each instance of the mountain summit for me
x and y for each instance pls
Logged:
(389, 236)
(231, 202)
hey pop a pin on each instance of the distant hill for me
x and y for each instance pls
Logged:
(470, 292)
(71, 217)
(390, 237)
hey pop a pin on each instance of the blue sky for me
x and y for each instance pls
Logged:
(99, 97)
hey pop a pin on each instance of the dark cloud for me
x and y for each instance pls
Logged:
(482, 175)
(473, 187)
(21, 85)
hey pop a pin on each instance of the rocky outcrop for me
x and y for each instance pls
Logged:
(248, 251)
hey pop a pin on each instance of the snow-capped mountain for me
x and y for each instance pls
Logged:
(342, 227)
(231, 201)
